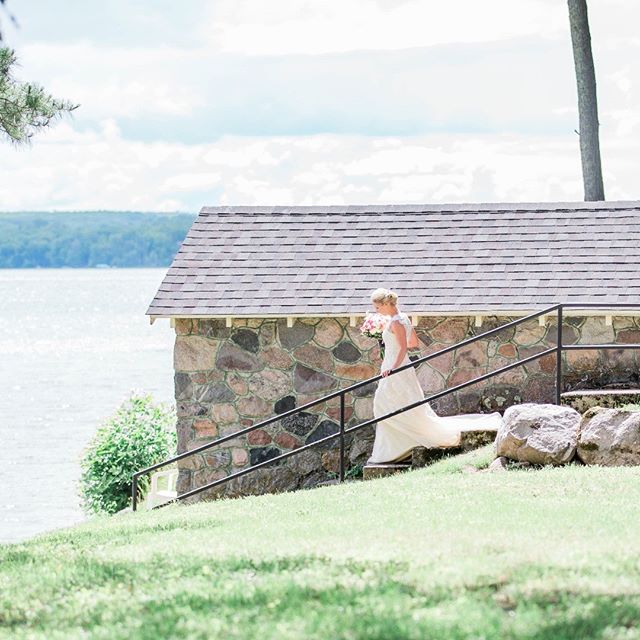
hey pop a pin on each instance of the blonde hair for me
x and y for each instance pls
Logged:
(384, 296)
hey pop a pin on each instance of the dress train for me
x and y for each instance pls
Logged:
(420, 426)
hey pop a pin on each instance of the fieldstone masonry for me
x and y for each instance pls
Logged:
(228, 378)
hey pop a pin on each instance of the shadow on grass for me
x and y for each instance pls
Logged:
(286, 597)
(570, 616)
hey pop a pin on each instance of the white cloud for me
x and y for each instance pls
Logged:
(229, 116)
(101, 169)
(511, 70)
(115, 81)
(194, 96)
(285, 27)
(190, 181)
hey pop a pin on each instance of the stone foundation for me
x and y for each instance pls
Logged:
(584, 400)
(230, 378)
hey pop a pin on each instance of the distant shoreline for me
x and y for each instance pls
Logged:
(91, 239)
(58, 268)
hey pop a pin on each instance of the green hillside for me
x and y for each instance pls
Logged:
(443, 552)
(91, 238)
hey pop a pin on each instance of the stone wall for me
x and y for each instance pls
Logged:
(230, 378)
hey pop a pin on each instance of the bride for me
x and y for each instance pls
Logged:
(420, 426)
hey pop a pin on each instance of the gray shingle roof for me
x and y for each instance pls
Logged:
(270, 261)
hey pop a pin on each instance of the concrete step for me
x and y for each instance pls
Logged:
(609, 398)
(423, 456)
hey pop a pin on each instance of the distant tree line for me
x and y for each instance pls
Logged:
(90, 239)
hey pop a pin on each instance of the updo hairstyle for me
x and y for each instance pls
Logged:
(384, 296)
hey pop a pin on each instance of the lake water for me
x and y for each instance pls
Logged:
(74, 343)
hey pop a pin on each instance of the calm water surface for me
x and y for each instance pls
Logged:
(74, 344)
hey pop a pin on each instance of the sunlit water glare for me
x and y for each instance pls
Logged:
(74, 343)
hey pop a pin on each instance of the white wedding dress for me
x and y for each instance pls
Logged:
(420, 426)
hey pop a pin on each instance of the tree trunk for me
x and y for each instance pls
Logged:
(587, 100)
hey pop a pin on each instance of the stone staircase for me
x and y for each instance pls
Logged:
(608, 398)
(424, 456)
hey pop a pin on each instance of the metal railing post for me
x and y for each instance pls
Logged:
(134, 492)
(559, 356)
(342, 437)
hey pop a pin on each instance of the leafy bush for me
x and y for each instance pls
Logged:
(138, 435)
(354, 472)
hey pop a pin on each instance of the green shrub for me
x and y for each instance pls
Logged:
(138, 435)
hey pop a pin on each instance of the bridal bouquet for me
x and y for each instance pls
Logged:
(373, 326)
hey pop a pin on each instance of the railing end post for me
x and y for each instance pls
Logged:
(134, 492)
(342, 437)
(559, 356)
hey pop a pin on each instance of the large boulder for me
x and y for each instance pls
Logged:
(538, 433)
(609, 437)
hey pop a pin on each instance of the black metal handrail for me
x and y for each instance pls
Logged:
(557, 349)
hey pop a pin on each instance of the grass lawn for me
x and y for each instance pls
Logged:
(437, 553)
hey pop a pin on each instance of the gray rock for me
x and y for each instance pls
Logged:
(499, 464)
(347, 352)
(306, 380)
(538, 433)
(233, 357)
(314, 479)
(217, 392)
(183, 386)
(324, 429)
(285, 404)
(183, 431)
(365, 391)
(219, 458)
(267, 333)
(265, 480)
(305, 462)
(183, 483)
(213, 328)
(300, 423)
(291, 337)
(610, 437)
(361, 446)
(246, 339)
(188, 409)
(261, 454)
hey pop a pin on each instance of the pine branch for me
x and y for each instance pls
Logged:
(25, 107)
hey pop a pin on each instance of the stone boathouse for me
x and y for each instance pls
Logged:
(266, 303)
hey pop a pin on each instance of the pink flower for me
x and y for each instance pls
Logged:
(373, 325)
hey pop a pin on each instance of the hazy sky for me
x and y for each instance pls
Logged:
(194, 103)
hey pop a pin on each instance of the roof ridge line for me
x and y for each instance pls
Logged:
(480, 207)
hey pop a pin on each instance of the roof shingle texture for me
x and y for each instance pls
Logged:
(272, 261)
